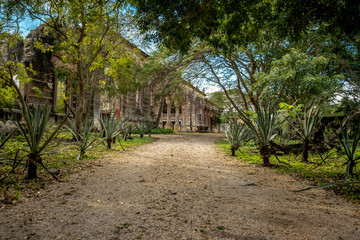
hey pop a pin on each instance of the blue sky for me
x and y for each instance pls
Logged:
(28, 25)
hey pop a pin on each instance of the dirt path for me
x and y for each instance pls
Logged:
(179, 187)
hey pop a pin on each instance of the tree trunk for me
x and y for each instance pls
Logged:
(94, 75)
(305, 153)
(159, 115)
(265, 155)
(233, 151)
(350, 169)
(32, 167)
(109, 143)
(82, 153)
(80, 100)
(89, 102)
(31, 174)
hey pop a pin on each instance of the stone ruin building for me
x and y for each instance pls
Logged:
(186, 110)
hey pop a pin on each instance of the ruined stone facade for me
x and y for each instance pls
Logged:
(43, 87)
(187, 110)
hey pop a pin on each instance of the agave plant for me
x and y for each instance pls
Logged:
(83, 140)
(141, 127)
(236, 134)
(129, 127)
(149, 126)
(112, 128)
(36, 121)
(350, 149)
(307, 125)
(262, 125)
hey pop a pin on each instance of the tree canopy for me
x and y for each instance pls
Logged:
(297, 77)
(87, 40)
(225, 24)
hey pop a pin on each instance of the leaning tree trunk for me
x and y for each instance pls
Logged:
(159, 115)
(265, 155)
(305, 152)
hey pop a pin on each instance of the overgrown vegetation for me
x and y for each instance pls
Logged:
(306, 124)
(64, 156)
(156, 131)
(141, 127)
(236, 135)
(299, 53)
(112, 128)
(262, 124)
(36, 123)
(294, 131)
(83, 140)
(322, 167)
(350, 144)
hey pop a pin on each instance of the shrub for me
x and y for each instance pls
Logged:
(262, 124)
(156, 131)
(36, 123)
(83, 141)
(112, 127)
(141, 127)
(162, 131)
(350, 149)
(236, 134)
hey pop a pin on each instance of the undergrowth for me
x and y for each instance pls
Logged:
(60, 156)
(156, 131)
(322, 168)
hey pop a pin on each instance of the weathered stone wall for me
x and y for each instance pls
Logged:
(43, 87)
(192, 111)
(12, 53)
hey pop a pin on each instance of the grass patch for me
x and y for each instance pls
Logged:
(315, 172)
(60, 155)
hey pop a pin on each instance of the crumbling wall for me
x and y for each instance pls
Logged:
(43, 87)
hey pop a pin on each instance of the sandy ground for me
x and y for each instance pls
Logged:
(179, 187)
